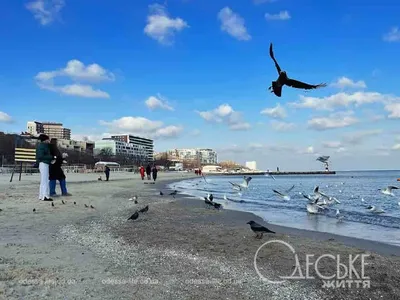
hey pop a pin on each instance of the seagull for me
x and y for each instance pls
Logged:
(134, 216)
(145, 209)
(173, 194)
(388, 190)
(258, 229)
(338, 216)
(283, 79)
(133, 198)
(331, 200)
(285, 195)
(270, 175)
(244, 184)
(375, 209)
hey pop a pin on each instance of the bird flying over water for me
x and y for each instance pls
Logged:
(258, 229)
(283, 79)
(285, 195)
(388, 190)
(244, 184)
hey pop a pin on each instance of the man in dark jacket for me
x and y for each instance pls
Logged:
(107, 172)
(154, 171)
(44, 159)
(148, 171)
(56, 172)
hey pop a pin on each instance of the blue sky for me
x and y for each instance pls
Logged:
(193, 73)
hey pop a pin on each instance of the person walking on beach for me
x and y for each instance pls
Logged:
(148, 172)
(154, 171)
(56, 172)
(44, 159)
(142, 172)
(107, 172)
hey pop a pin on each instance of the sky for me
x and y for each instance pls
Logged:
(191, 73)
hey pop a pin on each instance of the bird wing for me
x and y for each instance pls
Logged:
(279, 193)
(301, 85)
(316, 189)
(272, 176)
(271, 53)
(277, 91)
(390, 187)
(307, 197)
(287, 191)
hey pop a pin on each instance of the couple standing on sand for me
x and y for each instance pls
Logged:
(149, 170)
(50, 160)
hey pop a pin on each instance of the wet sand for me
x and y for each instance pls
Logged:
(177, 250)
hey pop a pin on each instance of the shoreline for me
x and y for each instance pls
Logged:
(181, 248)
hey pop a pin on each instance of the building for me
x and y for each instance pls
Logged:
(252, 165)
(199, 155)
(140, 145)
(120, 148)
(82, 146)
(53, 130)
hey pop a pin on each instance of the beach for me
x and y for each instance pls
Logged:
(179, 249)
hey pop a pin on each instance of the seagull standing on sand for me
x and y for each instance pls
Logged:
(258, 229)
(388, 190)
(338, 216)
(283, 79)
(285, 195)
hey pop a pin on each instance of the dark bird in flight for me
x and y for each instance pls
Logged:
(145, 209)
(86, 206)
(258, 229)
(91, 206)
(134, 216)
(283, 79)
(34, 209)
(161, 193)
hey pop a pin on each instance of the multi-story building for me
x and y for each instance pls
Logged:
(252, 165)
(53, 130)
(200, 156)
(82, 146)
(140, 145)
(121, 148)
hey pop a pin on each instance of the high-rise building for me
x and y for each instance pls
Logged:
(140, 145)
(120, 148)
(53, 130)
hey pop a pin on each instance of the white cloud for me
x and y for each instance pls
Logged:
(393, 35)
(281, 16)
(394, 110)
(332, 144)
(233, 24)
(342, 100)
(356, 138)
(225, 114)
(142, 127)
(336, 120)
(76, 71)
(5, 118)
(308, 150)
(45, 11)
(345, 82)
(161, 27)
(277, 112)
(396, 147)
(282, 126)
(158, 103)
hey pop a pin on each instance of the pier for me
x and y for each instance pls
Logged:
(270, 173)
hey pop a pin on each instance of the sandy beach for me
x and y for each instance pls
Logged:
(179, 249)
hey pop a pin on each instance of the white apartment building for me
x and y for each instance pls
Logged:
(120, 148)
(203, 156)
(140, 144)
(252, 165)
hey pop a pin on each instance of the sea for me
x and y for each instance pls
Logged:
(355, 191)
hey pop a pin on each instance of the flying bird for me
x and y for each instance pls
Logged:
(388, 190)
(283, 79)
(145, 209)
(91, 206)
(258, 229)
(285, 195)
(134, 216)
(244, 184)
